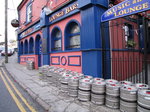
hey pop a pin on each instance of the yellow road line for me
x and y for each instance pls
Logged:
(19, 94)
(12, 94)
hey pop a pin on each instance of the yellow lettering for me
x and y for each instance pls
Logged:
(145, 5)
(121, 12)
(139, 7)
(132, 9)
(115, 14)
(134, 1)
(109, 12)
(127, 3)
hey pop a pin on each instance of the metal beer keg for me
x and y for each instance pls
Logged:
(98, 87)
(85, 84)
(112, 89)
(111, 81)
(128, 93)
(112, 101)
(141, 86)
(73, 82)
(128, 106)
(98, 79)
(122, 83)
(73, 92)
(144, 99)
(98, 99)
(142, 109)
(83, 95)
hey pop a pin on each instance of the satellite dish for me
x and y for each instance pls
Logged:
(15, 23)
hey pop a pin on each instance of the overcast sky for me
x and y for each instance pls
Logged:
(12, 14)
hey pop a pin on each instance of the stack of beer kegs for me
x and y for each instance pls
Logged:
(143, 97)
(73, 84)
(30, 65)
(144, 101)
(112, 93)
(128, 95)
(84, 89)
(64, 82)
(98, 91)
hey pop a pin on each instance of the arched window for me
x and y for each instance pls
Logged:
(21, 48)
(56, 39)
(38, 44)
(31, 45)
(26, 47)
(72, 35)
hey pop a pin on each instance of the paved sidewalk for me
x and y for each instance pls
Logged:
(48, 95)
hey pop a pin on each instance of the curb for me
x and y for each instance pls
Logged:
(30, 92)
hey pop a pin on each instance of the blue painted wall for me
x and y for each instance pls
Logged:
(91, 40)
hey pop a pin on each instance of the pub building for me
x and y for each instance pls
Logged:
(70, 34)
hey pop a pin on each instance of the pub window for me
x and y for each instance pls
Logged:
(56, 39)
(29, 13)
(129, 35)
(72, 36)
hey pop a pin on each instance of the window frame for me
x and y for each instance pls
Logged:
(28, 15)
(69, 35)
(54, 39)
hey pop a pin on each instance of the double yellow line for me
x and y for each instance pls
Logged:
(18, 103)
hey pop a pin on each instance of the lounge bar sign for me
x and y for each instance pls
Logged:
(127, 7)
(63, 12)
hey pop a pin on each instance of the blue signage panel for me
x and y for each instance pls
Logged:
(127, 7)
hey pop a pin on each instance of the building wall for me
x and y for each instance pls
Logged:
(87, 58)
(37, 6)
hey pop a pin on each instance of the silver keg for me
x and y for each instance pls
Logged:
(64, 87)
(112, 101)
(98, 99)
(73, 82)
(88, 77)
(85, 84)
(144, 98)
(97, 79)
(113, 89)
(73, 92)
(83, 95)
(128, 93)
(111, 81)
(141, 86)
(122, 83)
(80, 75)
(142, 109)
(128, 106)
(98, 87)
(65, 78)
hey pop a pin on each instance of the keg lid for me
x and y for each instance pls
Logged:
(129, 88)
(109, 81)
(125, 83)
(113, 85)
(98, 79)
(88, 76)
(66, 75)
(141, 86)
(145, 93)
(86, 80)
(80, 75)
(99, 83)
(74, 78)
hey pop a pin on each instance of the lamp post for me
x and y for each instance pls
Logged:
(6, 50)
